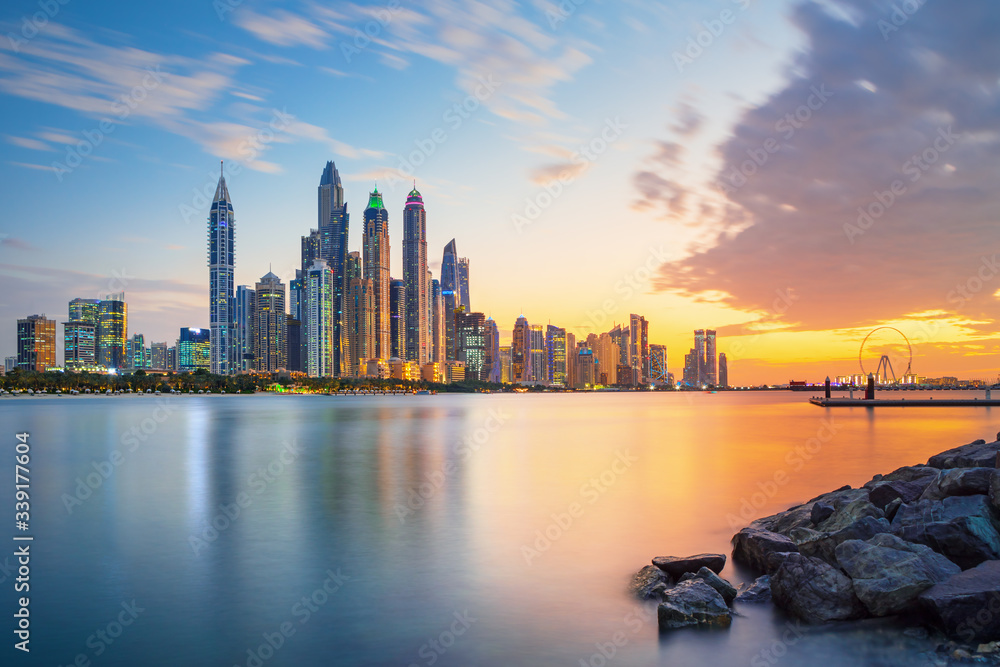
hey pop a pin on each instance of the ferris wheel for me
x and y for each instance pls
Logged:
(896, 342)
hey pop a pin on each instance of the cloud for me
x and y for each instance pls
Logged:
(565, 171)
(30, 144)
(15, 243)
(283, 29)
(800, 168)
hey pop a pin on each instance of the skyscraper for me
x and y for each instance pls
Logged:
(376, 259)
(539, 359)
(318, 290)
(470, 344)
(711, 378)
(451, 295)
(492, 364)
(608, 359)
(158, 358)
(437, 322)
(397, 318)
(112, 344)
(416, 278)
(85, 310)
(520, 352)
(555, 345)
(334, 222)
(221, 267)
(79, 344)
(244, 322)
(270, 326)
(36, 343)
(639, 348)
(658, 364)
(194, 349)
(137, 354)
(699, 351)
(463, 283)
(359, 317)
(723, 370)
(621, 338)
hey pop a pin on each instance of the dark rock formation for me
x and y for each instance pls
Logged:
(824, 545)
(650, 583)
(959, 482)
(725, 589)
(675, 566)
(962, 528)
(693, 603)
(967, 606)
(751, 547)
(978, 454)
(757, 592)
(810, 589)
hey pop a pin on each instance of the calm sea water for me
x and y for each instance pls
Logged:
(422, 530)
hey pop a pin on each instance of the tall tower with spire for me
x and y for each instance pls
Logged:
(415, 278)
(333, 229)
(451, 294)
(376, 260)
(221, 269)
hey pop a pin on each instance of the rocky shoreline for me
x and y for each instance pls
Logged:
(920, 545)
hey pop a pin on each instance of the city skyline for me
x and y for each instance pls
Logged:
(738, 200)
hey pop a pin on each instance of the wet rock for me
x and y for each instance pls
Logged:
(889, 574)
(751, 547)
(825, 545)
(693, 603)
(962, 528)
(814, 591)
(994, 492)
(649, 583)
(675, 566)
(978, 454)
(848, 513)
(725, 589)
(884, 493)
(820, 512)
(757, 592)
(967, 606)
(922, 475)
(891, 509)
(959, 482)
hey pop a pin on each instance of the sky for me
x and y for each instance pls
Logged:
(791, 174)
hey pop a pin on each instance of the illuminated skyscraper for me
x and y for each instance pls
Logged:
(376, 259)
(318, 290)
(221, 268)
(112, 347)
(539, 358)
(699, 351)
(194, 349)
(493, 365)
(621, 338)
(437, 322)
(470, 344)
(79, 345)
(658, 364)
(158, 358)
(244, 323)
(36, 343)
(723, 370)
(451, 295)
(505, 364)
(416, 279)
(608, 359)
(85, 310)
(270, 330)
(137, 352)
(463, 284)
(710, 374)
(397, 318)
(360, 318)
(555, 345)
(334, 222)
(639, 348)
(520, 352)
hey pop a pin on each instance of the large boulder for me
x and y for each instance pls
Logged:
(963, 528)
(801, 516)
(824, 545)
(888, 573)
(751, 547)
(921, 475)
(849, 512)
(725, 589)
(959, 482)
(757, 592)
(967, 606)
(675, 566)
(693, 603)
(978, 454)
(649, 583)
(883, 493)
(814, 591)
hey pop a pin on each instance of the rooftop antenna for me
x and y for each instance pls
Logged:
(221, 175)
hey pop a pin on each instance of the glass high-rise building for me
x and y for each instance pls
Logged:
(397, 318)
(470, 344)
(360, 317)
(539, 358)
(416, 279)
(137, 352)
(711, 378)
(334, 223)
(463, 284)
(376, 259)
(112, 339)
(658, 364)
(270, 344)
(451, 296)
(493, 365)
(194, 349)
(36, 343)
(244, 321)
(221, 269)
(319, 318)
(723, 370)
(79, 345)
(520, 351)
(638, 348)
(158, 358)
(85, 310)
(699, 351)
(437, 322)
(555, 346)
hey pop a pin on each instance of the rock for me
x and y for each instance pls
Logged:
(800, 516)
(959, 482)
(891, 509)
(959, 527)
(649, 583)
(774, 561)
(967, 606)
(994, 493)
(814, 591)
(991, 647)
(820, 512)
(889, 574)
(825, 546)
(751, 547)
(922, 475)
(693, 603)
(757, 592)
(978, 454)
(725, 589)
(884, 493)
(676, 566)
(850, 512)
